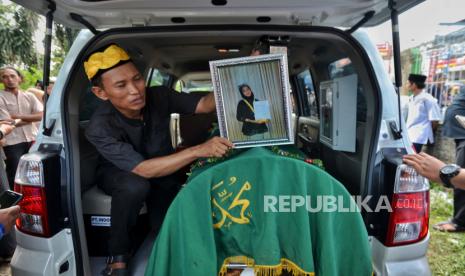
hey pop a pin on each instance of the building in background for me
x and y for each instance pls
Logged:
(443, 61)
(385, 50)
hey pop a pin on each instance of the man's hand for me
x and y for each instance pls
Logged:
(166, 165)
(215, 147)
(8, 217)
(6, 128)
(425, 164)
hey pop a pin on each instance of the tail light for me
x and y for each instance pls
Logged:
(408, 222)
(40, 204)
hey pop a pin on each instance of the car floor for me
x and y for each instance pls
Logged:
(138, 262)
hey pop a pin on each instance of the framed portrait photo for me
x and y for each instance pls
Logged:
(252, 100)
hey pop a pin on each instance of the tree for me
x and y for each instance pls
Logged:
(64, 37)
(16, 35)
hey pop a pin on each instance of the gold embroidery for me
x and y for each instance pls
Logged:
(217, 185)
(237, 201)
(232, 180)
(226, 197)
(223, 193)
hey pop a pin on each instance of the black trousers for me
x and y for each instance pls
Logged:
(13, 153)
(459, 194)
(128, 193)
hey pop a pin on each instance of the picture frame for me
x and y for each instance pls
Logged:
(252, 98)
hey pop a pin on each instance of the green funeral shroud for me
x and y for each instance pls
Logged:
(220, 217)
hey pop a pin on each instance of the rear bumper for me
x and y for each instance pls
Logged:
(35, 256)
(401, 260)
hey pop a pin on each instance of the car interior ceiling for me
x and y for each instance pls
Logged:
(178, 54)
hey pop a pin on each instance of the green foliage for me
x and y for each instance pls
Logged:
(17, 26)
(30, 77)
(63, 39)
(446, 254)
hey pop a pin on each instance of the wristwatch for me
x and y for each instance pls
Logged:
(447, 173)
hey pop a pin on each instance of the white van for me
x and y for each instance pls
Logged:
(65, 217)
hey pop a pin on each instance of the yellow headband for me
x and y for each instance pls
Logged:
(104, 60)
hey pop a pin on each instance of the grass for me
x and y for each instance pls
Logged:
(446, 252)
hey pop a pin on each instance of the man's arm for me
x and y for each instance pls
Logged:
(459, 180)
(35, 114)
(29, 118)
(429, 167)
(162, 166)
(206, 104)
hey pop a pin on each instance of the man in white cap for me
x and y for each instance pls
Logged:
(423, 113)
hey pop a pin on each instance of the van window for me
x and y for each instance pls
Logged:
(158, 78)
(342, 68)
(309, 101)
(189, 86)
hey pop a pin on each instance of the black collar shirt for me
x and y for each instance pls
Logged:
(124, 142)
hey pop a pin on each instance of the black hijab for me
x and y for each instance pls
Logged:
(251, 98)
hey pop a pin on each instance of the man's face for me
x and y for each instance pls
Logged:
(10, 79)
(124, 87)
(411, 86)
(50, 87)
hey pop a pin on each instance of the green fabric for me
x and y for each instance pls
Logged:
(327, 243)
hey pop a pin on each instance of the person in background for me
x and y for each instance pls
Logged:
(39, 85)
(51, 83)
(39, 94)
(5, 129)
(38, 91)
(8, 217)
(454, 130)
(23, 108)
(7, 240)
(423, 113)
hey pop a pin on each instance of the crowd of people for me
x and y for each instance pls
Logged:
(422, 120)
(20, 114)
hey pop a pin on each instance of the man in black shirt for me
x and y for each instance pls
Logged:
(454, 130)
(131, 133)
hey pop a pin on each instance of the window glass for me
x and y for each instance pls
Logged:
(310, 103)
(188, 86)
(342, 68)
(158, 78)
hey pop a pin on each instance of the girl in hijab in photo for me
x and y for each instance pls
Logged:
(252, 128)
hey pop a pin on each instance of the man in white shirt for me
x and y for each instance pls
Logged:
(423, 113)
(23, 108)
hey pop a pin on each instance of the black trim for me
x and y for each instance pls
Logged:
(47, 131)
(366, 17)
(226, 28)
(80, 19)
(397, 63)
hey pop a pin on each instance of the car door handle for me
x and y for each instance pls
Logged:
(306, 139)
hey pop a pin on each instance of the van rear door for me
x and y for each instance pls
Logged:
(119, 13)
